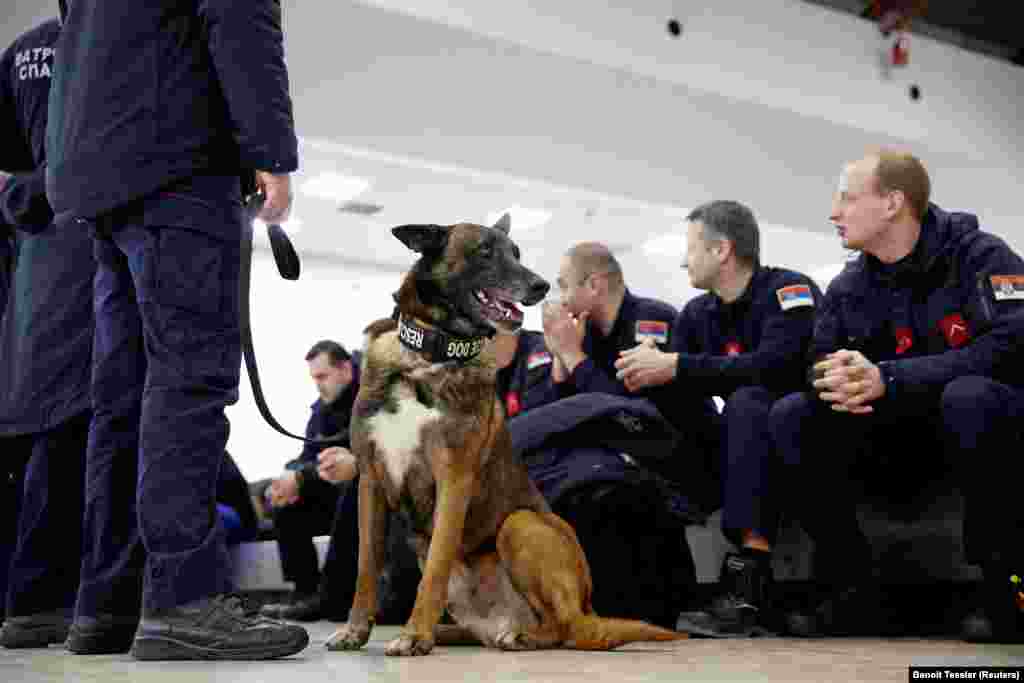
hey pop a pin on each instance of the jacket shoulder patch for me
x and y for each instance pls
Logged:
(656, 330)
(794, 296)
(1007, 287)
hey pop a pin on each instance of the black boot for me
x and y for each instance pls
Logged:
(741, 610)
(302, 608)
(847, 610)
(1000, 616)
(36, 630)
(224, 627)
(104, 634)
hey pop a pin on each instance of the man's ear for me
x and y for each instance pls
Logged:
(895, 202)
(422, 238)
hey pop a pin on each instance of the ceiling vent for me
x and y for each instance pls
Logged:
(360, 208)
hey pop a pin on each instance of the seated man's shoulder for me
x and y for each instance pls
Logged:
(656, 309)
(788, 288)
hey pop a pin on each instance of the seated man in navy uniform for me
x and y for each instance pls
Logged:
(45, 349)
(744, 341)
(596, 318)
(922, 334)
(304, 503)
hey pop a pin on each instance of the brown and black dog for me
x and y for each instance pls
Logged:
(430, 439)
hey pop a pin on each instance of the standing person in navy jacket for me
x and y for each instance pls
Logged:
(45, 346)
(158, 110)
(745, 341)
(922, 333)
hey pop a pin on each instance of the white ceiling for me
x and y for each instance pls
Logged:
(454, 110)
(416, 191)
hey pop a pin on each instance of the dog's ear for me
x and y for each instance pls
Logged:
(422, 238)
(504, 223)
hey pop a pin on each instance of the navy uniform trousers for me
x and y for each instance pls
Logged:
(166, 362)
(973, 430)
(42, 496)
(749, 464)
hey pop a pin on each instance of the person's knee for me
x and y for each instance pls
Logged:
(968, 396)
(977, 409)
(787, 419)
(748, 402)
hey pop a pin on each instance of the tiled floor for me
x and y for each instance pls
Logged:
(767, 659)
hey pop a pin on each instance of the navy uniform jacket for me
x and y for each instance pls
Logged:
(953, 307)
(46, 332)
(137, 105)
(525, 383)
(760, 339)
(638, 319)
(325, 421)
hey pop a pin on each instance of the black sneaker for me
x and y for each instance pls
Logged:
(741, 611)
(847, 611)
(223, 627)
(1000, 618)
(309, 608)
(36, 630)
(104, 634)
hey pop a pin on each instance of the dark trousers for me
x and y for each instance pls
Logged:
(973, 428)
(45, 474)
(166, 362)
(748, 465)
(295, 526)
(399, 578)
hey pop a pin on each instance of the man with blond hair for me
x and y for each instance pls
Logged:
(918, 335)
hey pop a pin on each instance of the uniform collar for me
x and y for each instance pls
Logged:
(745, 298)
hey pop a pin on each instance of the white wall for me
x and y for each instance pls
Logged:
(328, 301)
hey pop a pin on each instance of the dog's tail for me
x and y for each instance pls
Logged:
(591, 632)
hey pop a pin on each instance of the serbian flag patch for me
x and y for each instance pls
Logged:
(1007, 287)
(955, 330)
(794, 296)
(656, 330)
(535, 360)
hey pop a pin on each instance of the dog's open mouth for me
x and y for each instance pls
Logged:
(499, 307)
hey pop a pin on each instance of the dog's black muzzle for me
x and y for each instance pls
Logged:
(538, 289)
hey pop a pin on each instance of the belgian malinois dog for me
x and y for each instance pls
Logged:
(429, 435)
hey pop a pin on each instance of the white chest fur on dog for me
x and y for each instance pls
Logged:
(397, 435)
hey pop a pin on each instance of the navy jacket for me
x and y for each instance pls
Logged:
(525, 383)
(325, 421)
(148, 93)
(637, 320)
(760, 339)
(46, 331)
(953, 307)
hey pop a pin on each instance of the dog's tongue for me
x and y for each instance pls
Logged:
(501, 307)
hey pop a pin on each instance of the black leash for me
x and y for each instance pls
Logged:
(288, 266)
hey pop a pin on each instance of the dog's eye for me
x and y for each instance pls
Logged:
(485, 251)
(515, 251)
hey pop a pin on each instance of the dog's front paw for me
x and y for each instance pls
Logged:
(514, 640)
(410, 645)
(349, 637)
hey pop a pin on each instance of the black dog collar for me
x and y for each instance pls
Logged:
(436, 345)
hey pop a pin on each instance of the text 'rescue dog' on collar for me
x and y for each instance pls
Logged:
(436, 345)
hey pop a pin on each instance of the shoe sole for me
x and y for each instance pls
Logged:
(24, 638)
(148, 648)
(100, 644)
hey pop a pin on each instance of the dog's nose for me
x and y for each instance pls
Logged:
(538, 290)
